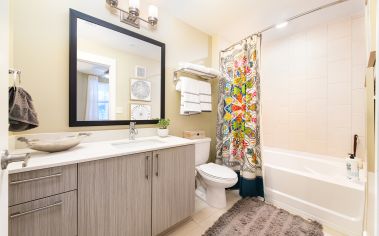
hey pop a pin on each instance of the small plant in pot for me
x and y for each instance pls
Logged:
(163, 127)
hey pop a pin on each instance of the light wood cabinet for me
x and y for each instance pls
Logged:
(173, 196)
(115, 196)
(137, 195)
(33, 185)
(55, 215)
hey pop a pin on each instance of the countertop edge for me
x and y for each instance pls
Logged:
(18, 169)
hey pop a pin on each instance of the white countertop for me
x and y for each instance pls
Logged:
(92, 151)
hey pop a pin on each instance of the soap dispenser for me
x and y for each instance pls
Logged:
(352, 166)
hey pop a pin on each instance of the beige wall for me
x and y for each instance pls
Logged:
(40, 48)
(313, 89)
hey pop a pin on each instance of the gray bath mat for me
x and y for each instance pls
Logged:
(252, 217)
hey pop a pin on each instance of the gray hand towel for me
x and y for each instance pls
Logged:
(22, 115)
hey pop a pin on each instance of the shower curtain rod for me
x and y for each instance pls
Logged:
(287, 20)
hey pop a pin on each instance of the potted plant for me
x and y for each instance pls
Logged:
(162, 127)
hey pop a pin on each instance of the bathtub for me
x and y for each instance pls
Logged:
(314, 187)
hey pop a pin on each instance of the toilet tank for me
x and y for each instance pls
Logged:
(202, 147)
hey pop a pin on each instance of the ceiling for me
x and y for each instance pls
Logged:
(233, 20)
(92, 68)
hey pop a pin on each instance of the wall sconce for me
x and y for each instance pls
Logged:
(131, 17)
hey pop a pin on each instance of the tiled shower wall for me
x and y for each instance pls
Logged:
(313, 96)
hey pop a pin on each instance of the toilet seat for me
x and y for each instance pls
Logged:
(218, 172)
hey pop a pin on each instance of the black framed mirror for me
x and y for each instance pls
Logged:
(116, 75)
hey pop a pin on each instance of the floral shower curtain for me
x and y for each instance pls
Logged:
(238, 138)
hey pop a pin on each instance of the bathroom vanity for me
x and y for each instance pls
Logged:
(104, 188)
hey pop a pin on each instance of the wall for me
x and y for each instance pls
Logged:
(41, 46)
(313, 95)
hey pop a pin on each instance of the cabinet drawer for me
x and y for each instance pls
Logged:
(56, 215)
(32, 185)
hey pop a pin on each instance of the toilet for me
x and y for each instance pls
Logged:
(211, 179)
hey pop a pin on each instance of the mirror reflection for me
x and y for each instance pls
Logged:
(118, 76)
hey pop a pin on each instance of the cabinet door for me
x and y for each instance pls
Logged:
(55, 215)
(114, 196)
(173, 186)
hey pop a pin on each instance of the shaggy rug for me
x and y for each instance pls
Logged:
(252, 217)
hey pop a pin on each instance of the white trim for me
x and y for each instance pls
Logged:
(89, 57)
(376, 218)
(4, 66)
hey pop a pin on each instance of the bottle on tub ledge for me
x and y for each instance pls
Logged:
(353, 164)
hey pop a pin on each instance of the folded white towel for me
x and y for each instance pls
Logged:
(205, 92)
(190, 99)
(201, 68)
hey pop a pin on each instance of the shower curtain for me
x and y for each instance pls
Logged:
(238, 139)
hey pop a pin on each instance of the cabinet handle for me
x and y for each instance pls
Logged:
(147, 167)
(157, 160)
(35, 210)
(35, 179)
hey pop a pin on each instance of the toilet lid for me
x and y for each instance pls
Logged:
(217, 171)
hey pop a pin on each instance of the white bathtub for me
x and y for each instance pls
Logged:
(314, 187)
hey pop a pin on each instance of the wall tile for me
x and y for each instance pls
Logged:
(297, 122)
(358, 77)
(339, 142)
(358, 29)
(318, 147)
(358, 124)
(339, 117)
(359, 101)
(297, 141)
(297, 102)
(339, 94)
(315, 86)
(339, 49)
(339, 29)
(316, 126)
(361, 147)
(317, 67)
(339, 71)
(317, 42)
(358, 53)
(317, 106)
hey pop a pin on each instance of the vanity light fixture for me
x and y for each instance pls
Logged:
(132, 17)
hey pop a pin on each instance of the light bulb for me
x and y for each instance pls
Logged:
(153, 11)
(134, 4)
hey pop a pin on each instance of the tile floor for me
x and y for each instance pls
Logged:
(205, 216)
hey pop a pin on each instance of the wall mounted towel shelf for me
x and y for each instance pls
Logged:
(195, 72)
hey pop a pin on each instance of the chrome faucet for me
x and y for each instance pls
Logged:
(132, 131)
